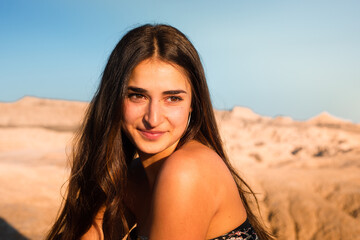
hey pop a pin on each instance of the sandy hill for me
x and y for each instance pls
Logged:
(307, 173)
(44, 113)
(326, 118)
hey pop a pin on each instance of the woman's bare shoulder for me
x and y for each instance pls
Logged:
(184, 195)
(194, 158)
(194, 164)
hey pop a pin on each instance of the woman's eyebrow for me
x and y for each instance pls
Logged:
(174, 92)
(169, 92)
(137, 89)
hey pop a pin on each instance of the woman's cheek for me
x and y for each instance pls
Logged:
(178, 116)
(131, 111)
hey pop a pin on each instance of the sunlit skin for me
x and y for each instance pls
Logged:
(156, 108)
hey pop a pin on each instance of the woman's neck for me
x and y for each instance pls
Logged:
(153, 162)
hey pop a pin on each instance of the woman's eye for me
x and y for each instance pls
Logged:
(174, 99)
(136, 97)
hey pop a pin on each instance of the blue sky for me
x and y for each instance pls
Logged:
(293, 58)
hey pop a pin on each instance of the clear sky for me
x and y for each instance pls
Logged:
(293, 58)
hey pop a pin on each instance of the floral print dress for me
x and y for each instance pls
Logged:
(244, 232)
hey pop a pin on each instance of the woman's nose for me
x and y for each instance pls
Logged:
(154, 115)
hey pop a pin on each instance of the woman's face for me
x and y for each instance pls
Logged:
(157, 106)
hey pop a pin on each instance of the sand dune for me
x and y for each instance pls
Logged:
(307, 173)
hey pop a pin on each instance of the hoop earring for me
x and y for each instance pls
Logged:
(188, 120)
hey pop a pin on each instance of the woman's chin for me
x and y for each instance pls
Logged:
(151, 150)
(154, 148)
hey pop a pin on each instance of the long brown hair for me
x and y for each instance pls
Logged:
(102, 152)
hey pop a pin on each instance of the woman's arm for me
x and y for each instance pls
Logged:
(95, 232)
(184, 200)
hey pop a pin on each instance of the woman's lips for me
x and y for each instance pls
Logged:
(151, 135)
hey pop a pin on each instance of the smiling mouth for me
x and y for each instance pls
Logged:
(151, 135)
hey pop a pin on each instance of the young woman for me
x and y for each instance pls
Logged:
(149, 153)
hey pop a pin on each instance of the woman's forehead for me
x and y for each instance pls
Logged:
(157, 74)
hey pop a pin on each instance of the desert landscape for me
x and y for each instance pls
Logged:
(306, 173)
